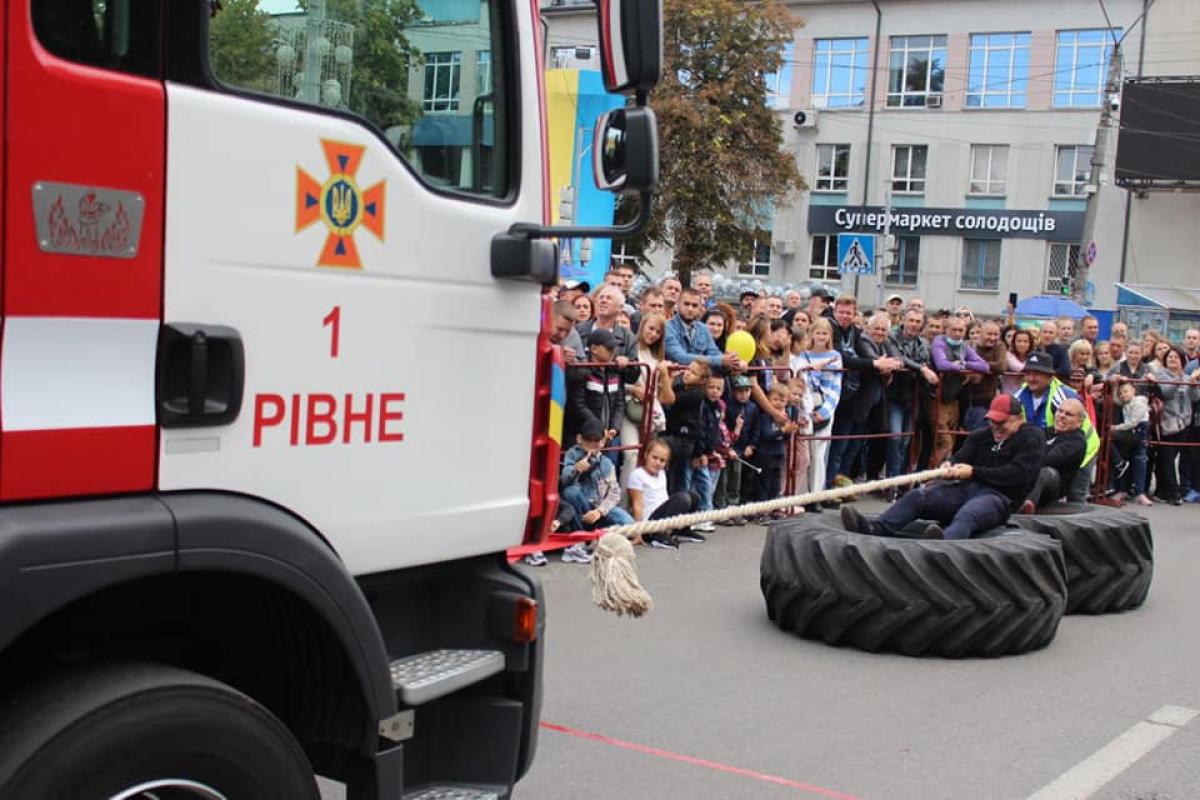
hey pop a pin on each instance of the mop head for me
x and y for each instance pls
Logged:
(615, 585)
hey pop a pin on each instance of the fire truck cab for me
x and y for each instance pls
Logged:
(274, 390)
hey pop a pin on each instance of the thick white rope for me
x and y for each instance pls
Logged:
(754, 509)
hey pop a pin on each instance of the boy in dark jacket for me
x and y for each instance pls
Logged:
(767, 446)
(597, 394)
(684, 428)
(737, 410)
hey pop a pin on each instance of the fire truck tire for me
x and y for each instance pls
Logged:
(136, 731)
(1109, 554)
(997, 595)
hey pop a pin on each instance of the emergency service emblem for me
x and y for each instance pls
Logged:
(340, 204)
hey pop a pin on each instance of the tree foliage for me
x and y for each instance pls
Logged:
(244, 40)
(723, 162)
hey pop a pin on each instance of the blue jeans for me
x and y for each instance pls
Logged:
(700, 480)
(900, 419)
(843, 453)
(574, 504)
(964, 507)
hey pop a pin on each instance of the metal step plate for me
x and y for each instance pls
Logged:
(437, 673)
(451, 793)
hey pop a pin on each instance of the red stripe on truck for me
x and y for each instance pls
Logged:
(77, 461)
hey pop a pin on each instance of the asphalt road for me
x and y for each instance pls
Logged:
(704, 698)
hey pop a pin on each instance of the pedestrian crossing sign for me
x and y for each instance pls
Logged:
(856, 254)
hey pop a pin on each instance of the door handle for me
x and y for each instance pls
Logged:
(201, 373)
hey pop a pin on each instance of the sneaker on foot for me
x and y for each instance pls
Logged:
(1027, 507)
(690, 536)
(854, 521)
(660, 542)
(536, 559)
(933, 531)
(842, 481)
(1192, 497)
(577, 554)
(1142, 500)
(704, 527)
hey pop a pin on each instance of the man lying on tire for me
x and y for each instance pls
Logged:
(991, 475)
(1064, 452)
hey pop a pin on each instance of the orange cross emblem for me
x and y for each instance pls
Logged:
(340, 204)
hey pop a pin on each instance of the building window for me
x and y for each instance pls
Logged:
(568, 57)
(621, 254)
(823, 266)
(1060, 267)
(760, 256)
(908, 259)
(779, 84)
(908, 168)
(1073, 170)
(483, 73)
(998, 76)
(917, 71)
(442, 74)
(981, 264)
(840, 73)
(833, 167)
(989, 169)
(1081, 66)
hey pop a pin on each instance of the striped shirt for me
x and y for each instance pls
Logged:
(825, 385)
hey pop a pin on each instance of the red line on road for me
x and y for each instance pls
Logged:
(699, 762)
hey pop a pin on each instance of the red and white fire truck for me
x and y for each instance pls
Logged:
(272, 354)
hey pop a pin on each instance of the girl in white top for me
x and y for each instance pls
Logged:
(648, 498)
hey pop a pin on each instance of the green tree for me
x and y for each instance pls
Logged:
(241, 45)
(723, 162)
(382, 58)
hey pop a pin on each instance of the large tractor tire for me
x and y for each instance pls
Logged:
(997, 595)
(1109, 554)
(145, 731)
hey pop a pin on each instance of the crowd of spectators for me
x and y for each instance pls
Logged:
(661, 419)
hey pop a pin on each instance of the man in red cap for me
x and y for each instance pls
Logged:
(990, 476)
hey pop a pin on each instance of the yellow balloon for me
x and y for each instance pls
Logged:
(742, 344)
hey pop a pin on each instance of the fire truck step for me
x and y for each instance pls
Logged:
(427, 676)
(451, 793)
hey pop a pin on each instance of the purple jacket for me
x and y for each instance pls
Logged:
(943, 362)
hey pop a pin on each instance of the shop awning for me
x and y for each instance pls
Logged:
(1171, 298)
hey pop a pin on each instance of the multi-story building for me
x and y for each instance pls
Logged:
(976, 120)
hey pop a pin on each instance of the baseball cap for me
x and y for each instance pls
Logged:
(821, 293)
(583, 285)
(1004, 406)
(1039, 361)
(591, 429)
(740, 381)
(892, 297)
(748, 293)
(604, 338)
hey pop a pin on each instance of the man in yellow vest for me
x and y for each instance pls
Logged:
(1041, 396)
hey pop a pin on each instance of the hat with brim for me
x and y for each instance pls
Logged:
(1003, 407)
(581, 285)
(1040, 361)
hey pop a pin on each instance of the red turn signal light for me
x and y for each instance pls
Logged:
(525, 619)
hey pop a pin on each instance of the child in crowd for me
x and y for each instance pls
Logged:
(1129, 440)
(729, 484)
(648, 498)
(712, 443)
(597, 394)
(800, 411)
(766, 445)
(588, 490)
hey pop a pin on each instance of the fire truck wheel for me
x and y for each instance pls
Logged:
(1109, 554)
(996, 595)
(141, 731)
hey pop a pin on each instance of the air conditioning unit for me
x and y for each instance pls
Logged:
(806, 118)
(933, 101)
(784, 247)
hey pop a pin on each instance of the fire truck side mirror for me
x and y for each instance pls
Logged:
(630, 44)
(625, 150)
